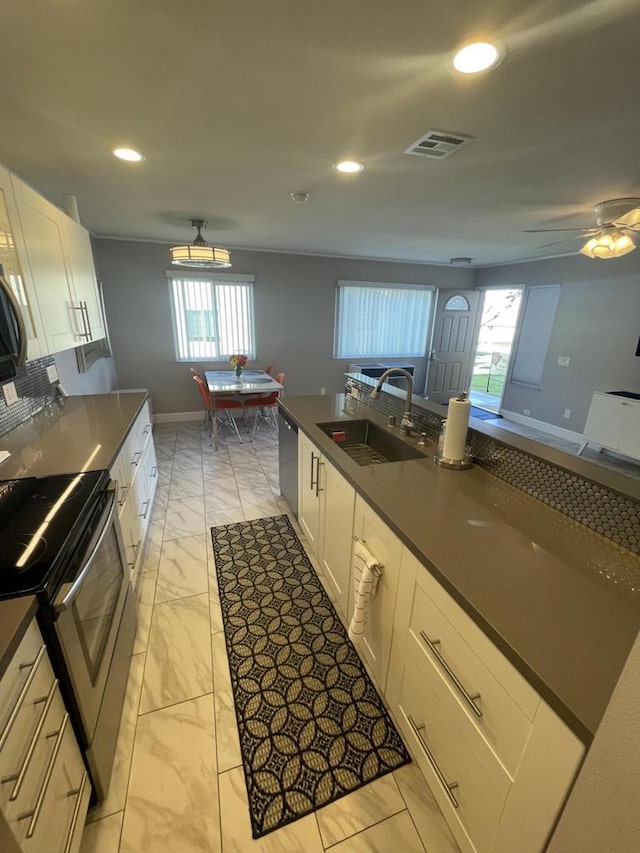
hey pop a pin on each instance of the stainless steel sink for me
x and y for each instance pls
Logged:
(369, 444)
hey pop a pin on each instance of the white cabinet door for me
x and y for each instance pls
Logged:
(630, 439)
(79, 257)
(309, 465)
(606, 420)
(385, 546)
(42, 230)
(13, 260)
(337, 507)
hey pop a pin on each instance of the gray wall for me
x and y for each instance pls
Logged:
(294, 305)
(597, 324)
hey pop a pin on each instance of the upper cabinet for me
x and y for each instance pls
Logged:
(58, 264)
(12, 257)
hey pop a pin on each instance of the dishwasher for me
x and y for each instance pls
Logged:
(288, 459)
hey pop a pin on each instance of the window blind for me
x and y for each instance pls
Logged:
(381, 320)
(213, 317)
(538, 314)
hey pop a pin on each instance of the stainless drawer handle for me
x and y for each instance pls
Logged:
(470, 700)
(25, 689)
(448, 787)
(123, 494)
(318, 489)
(147, 429)
(312, 484)
(146, 506)
(76, 812)
(132, 563)
(154, 471)
(32, 747)
(34, 813)
(135, 460)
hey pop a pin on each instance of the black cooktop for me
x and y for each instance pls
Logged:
(41, 518)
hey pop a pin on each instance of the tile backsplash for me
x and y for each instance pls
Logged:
(601, 509)
(35, 392)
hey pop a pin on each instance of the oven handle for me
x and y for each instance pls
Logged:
(69, 591)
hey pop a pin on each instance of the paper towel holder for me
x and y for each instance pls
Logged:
(446, 462)
(454, 464)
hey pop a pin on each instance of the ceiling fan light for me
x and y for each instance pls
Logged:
(199, 254)
(608, 245)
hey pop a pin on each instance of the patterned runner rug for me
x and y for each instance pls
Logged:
(312, 726)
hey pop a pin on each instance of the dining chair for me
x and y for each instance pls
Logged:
(269, 369)
(265, 407)
(218, 408)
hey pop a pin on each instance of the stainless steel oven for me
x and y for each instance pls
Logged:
(95, 622)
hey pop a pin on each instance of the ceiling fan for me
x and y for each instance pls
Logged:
(617, 221)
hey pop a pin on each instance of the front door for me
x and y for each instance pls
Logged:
(450, 358)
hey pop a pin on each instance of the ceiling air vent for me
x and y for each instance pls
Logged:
(438, 144)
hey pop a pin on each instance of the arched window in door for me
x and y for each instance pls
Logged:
(457, 303)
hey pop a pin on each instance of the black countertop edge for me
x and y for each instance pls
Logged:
(16, 614)
(617, 481)
(579, 728)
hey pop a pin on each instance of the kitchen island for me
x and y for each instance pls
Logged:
(560, 601)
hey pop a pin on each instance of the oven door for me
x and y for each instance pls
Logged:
(88, 612)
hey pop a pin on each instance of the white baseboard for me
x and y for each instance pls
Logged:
(559, 432)
(172, 417)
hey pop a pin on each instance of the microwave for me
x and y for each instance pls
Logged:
(13, 336)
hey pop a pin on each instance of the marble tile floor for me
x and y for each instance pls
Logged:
(178, 783)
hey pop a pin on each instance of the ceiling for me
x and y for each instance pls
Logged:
(238, 103)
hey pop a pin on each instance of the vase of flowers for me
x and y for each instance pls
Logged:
(239, 362)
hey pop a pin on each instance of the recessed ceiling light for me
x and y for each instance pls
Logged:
(349, 167)
(478, 56)
(129, 154)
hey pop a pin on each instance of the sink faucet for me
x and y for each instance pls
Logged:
(406, 424)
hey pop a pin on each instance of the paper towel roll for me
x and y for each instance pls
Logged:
(455, 437)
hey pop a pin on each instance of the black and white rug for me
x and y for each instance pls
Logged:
(312, 726)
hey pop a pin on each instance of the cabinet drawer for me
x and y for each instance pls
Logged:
(30, 713)
(19, 670)
(55, 818)
(469, 669)
(473, 807)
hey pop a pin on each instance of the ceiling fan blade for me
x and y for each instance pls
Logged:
(565, 240)
(544, 230)
(630, 220)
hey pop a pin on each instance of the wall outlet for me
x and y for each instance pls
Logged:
(323, 390)
(10, 393)
(564, 360)
(52, 373)
(526, 411)
(566, 413)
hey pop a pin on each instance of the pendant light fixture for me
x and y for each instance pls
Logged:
(199, 254)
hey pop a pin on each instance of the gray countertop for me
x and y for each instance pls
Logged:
(65, 436)
(15, 616)
(559, 600)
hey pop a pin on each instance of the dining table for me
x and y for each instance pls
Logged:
(225, 384)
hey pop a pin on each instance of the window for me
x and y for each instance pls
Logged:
(212, 316)
(457, 303)
(538, 314)
(381, 320)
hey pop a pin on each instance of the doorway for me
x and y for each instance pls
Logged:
(497, 329)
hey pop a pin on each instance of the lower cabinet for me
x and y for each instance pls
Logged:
(325, 513)
(497, 759)
(136, 473)
(45, 790)
(384, 545)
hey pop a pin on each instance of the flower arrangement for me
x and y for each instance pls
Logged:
(239, 361)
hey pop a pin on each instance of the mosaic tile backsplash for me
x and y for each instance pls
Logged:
(607, 512)
(35, 392)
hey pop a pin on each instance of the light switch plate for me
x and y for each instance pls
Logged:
(10, 393)
(564, 360)
(52, 373)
